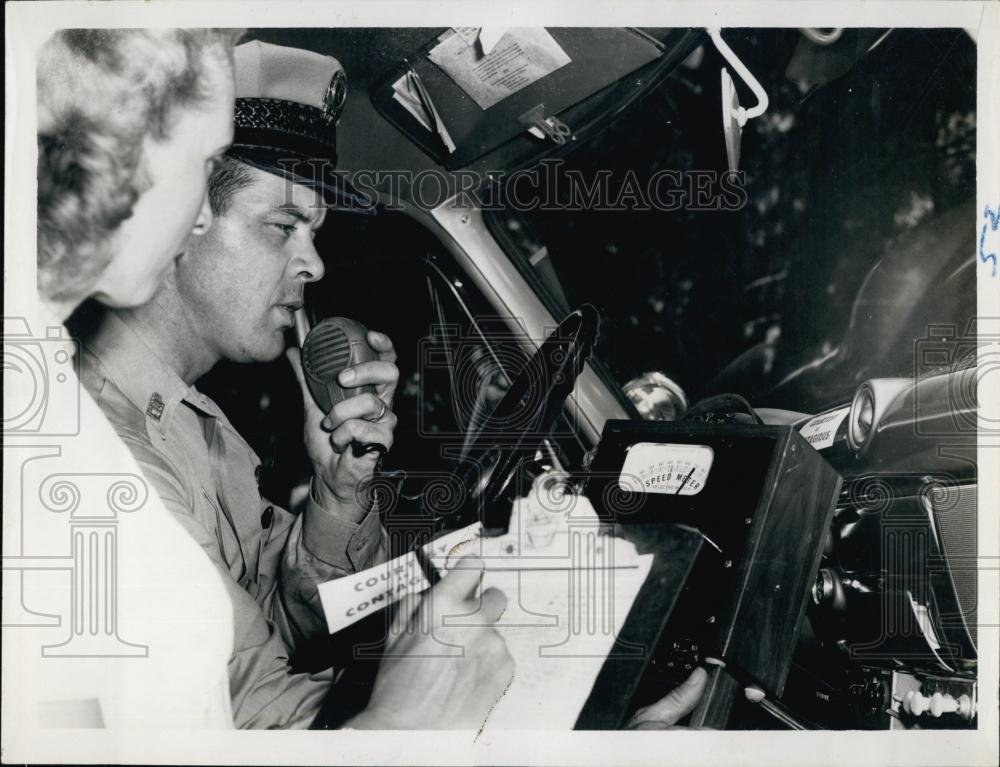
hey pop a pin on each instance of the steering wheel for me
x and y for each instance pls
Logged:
(524, 416)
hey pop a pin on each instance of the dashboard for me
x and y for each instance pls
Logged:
(891, 637)
(836, 584)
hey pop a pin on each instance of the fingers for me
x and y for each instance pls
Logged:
(462, 582)
(458, 596)
(674, 706)
(377, 372)
(358, 430)
(406, 609)
(364, 406)
(652, 724)
(380, 342)
(383, 374)
(463, 579)
(493, 602)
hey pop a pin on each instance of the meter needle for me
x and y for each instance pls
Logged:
(685, 481)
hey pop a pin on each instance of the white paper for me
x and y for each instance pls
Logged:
(349, 599)
(487, 37)
(490, 36)
(569, 588)
(565, 605)
(821, 430)
(468, 34)
(559, 626)
(520, 57)
(404, 95)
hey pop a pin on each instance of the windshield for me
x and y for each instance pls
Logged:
(768, 287)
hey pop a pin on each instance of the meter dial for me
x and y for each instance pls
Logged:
(667, 468)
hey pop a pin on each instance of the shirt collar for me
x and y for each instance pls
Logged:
(141, 375)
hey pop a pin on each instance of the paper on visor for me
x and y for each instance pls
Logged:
(487, 37)
(518, 58)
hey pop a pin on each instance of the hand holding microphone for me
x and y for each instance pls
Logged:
(348, 378)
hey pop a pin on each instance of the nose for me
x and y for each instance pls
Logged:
(309, 266)
(205, 218)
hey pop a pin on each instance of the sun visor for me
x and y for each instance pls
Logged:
(471, 90)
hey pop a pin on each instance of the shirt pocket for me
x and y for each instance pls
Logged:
(230, 546)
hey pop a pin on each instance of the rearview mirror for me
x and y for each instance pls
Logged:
(734, 116)
(730, 124)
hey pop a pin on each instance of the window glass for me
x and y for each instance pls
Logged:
(773, 300)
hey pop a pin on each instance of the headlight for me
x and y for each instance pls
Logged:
(862, 417)
(870, 403)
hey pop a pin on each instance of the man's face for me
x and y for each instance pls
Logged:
(145, 247)
(240, 282)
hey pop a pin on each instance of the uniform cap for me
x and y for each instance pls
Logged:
(288, 102)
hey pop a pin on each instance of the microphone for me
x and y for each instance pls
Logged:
(333, 345)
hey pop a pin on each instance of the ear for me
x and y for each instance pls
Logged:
(205, 218)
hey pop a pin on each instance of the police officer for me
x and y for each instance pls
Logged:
(232, 296)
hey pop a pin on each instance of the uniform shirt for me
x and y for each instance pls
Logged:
(113, 618)
(208, 476)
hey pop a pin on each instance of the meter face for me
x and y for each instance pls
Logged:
(667, 468)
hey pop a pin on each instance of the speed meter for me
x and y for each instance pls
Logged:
(666, 467)
(759, 500)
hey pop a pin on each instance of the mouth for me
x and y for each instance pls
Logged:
(290, 309)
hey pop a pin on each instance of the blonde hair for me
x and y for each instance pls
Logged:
(101, 92)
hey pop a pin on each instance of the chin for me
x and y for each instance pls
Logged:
(138, 290)
(267, 350)
(140, 297)
(127, 299)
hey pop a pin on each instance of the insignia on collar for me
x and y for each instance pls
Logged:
(336, 93)
(155, 407)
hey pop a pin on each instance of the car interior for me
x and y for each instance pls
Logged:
(763, 323)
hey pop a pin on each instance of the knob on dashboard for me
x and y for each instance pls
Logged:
(917, 704)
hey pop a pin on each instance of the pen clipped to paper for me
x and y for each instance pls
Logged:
(416, 85)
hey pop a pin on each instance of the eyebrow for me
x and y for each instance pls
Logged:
(298, 213)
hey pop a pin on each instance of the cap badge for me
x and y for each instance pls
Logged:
(336, 94)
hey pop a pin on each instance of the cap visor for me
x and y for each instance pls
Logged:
(338, 193)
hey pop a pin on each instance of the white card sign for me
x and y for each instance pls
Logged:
(349, 599)
(821, 430)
